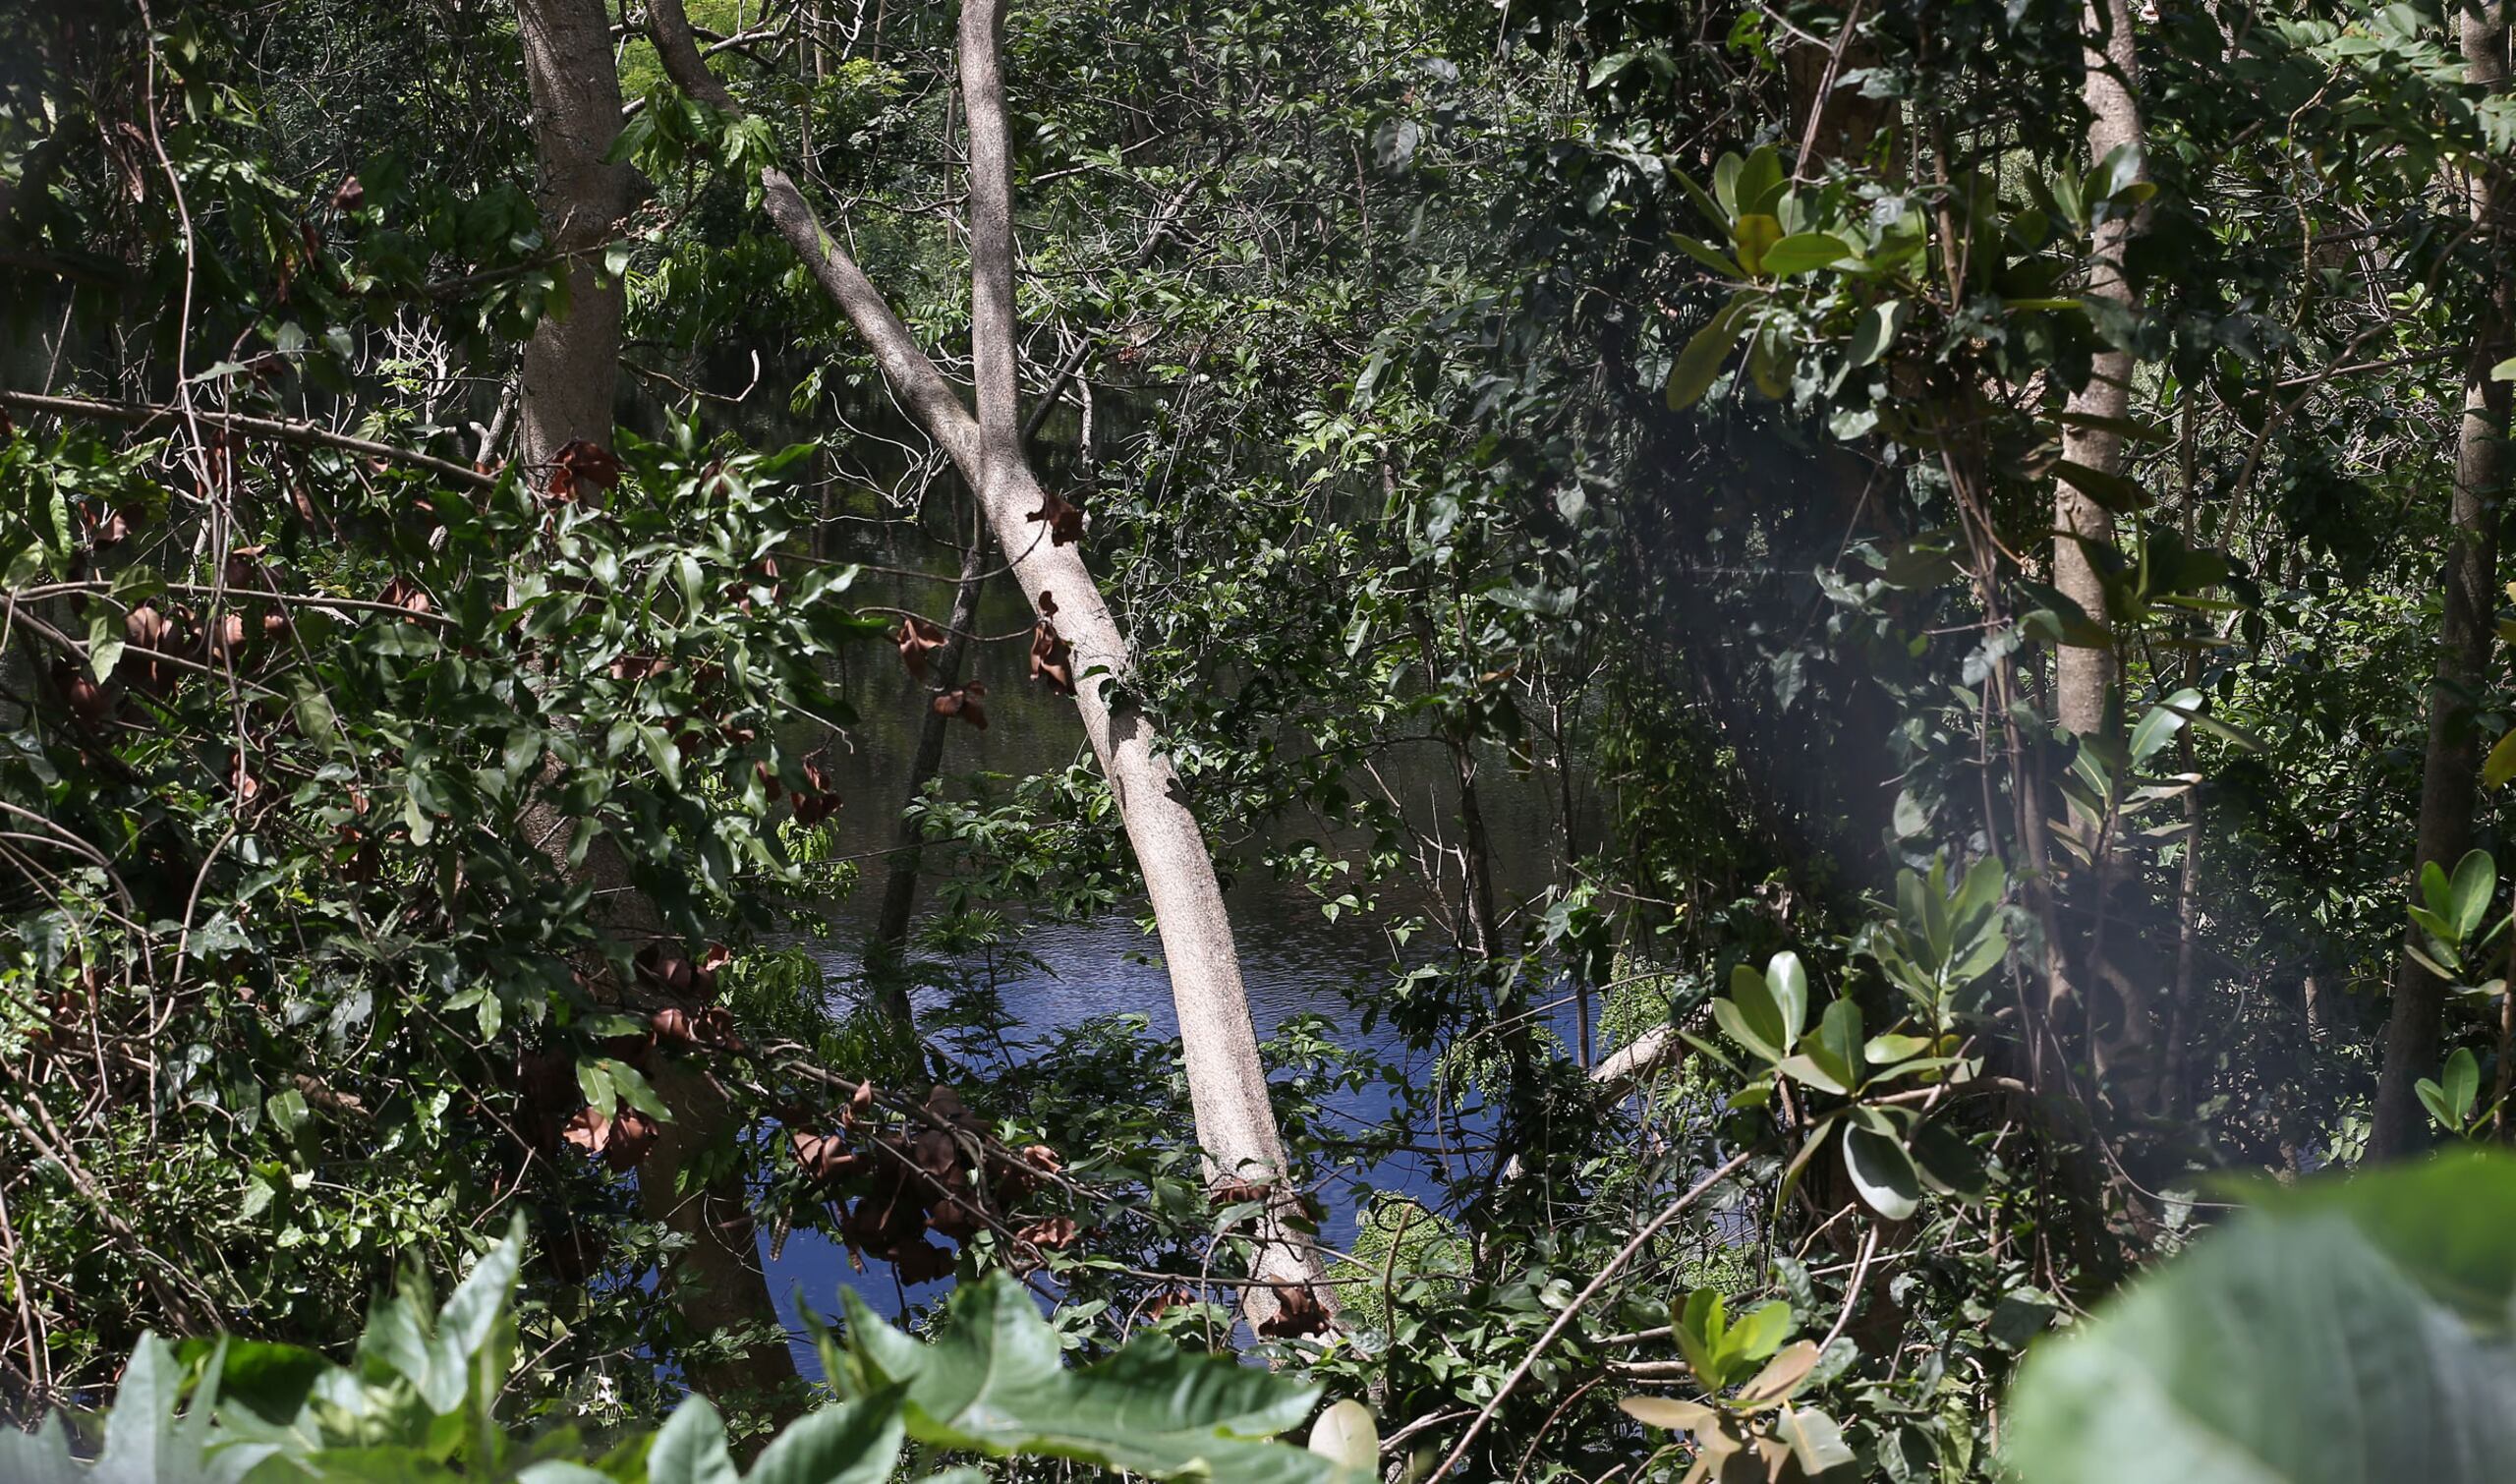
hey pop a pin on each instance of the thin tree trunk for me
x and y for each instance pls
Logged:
(899, 888)
(2449, 775)
(570, 371)
(2084, 677)
(1477, 855)
(1226, 1082)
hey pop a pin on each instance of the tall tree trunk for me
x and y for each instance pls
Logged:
(569, 365)
(2084, 677)
(2449, 775)
(2086, 698)
(1227, 1082)
(570, 373)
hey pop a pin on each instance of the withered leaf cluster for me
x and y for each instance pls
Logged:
(939, 1175)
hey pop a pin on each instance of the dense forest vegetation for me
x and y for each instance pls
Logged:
(1273, 740)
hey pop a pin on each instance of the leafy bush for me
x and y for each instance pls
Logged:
(425, 1398)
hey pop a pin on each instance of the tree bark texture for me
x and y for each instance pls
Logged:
(569, 374)
(2450, 772)
(1227, 1082)
(2084, 677)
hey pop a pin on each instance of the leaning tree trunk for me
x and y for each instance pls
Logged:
(2449, 775)
(1226, 1082)
(570, 373)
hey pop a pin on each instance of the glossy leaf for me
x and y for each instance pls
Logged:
(1882, 1172)
(996, 1383)
(2345, 1333)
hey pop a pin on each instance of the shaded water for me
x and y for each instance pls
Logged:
(1295, 960)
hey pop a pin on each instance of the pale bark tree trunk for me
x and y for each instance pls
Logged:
(2086, 697)
(570, 373)
(2085, 678)
(2449, 775)
(1226, 1082)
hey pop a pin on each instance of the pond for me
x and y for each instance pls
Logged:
(1295, 960)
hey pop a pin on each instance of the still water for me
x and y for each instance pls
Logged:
(1295, 960)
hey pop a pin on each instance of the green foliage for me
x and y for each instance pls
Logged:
(425, 1397)
(2352, 1330)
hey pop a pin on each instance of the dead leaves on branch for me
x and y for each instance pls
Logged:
(818, 798)
(917, 639)
(962, 701)
(1051, 658)
(1063, 518)
(937, 1172)
(579, 469)
(620, 1140)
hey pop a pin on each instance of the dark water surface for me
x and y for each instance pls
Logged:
(1295, 960)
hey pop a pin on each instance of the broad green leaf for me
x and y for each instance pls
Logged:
(2349, 1333)
(1709, 256)
(42, 1457)
(2158, 728)
(1815, 1442)
(1752, 1033)
(1762, 181)
(1837, 1046)
(1346, 1435)
(1874, 331)
(1669, 1412)
(1946, 1163)
(1692, 372)
(1808, 1070)
(436, 1352)
(1789, 985)
(633, 1087)
(2433, 1098)
(2501, 765)
(1704, 200)
(2476, 880)
(1892, 1048)
(995, 1383)
(853, 1443)
(105, 643)
(1803, 251)
(2435, 891)
(1882, 1172)
(690, 1448)
(1754, 233)
(1782, 1375)
(1724, 187)
(2461, 1084)
(1755, 1336)
(1752, 994)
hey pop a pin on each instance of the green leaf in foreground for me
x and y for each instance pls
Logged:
(993, 1383)
(2353, 1331)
